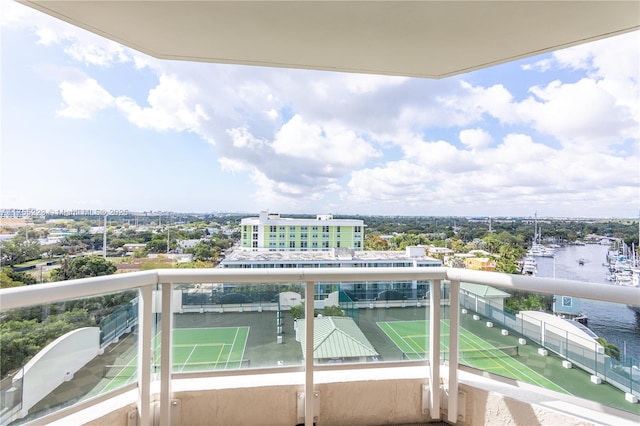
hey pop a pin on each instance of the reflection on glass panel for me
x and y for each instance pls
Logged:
(230, 326)
(226, 326)
(552, 349)
(372, 321)
(58, 354)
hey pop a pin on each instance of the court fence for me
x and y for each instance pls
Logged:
(583, 352)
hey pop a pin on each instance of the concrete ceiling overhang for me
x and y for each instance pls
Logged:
(431, 39)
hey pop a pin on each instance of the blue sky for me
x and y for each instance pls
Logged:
(90, 124)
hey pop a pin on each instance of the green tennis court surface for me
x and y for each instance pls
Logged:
(194, 349)
(412, 338)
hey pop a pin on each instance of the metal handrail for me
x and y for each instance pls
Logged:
(17, 297)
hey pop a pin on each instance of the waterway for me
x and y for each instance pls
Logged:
(614, 322)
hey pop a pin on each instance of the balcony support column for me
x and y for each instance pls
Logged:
(434, 349)
(166, 361)
(309, 307)
(145, 327)
(454, 344)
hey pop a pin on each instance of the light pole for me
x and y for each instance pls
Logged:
(104, 239)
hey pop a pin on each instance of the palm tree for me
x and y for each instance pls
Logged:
(609, 348)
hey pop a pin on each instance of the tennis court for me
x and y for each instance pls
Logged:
(194, 349)
(412, 338)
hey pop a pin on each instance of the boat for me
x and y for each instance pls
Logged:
(529, 266)
(540, 250)
(537, 249)
(581, 262)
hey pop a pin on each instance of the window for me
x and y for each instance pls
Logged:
(314, 244)
(303, 236)
(314, 228)
(272, 228)
(337, 229)
(338, 244)
(303, 229)
(325, 229)
(303, 244)
(255, 235)
(254, 244)
(255, 228)
(325, 244)
(357, 229)
(292, 229)
(292, 244)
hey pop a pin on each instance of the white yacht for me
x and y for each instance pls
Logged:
(539, 250)
(529, 266)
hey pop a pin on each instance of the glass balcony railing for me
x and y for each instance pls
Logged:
(103, 336)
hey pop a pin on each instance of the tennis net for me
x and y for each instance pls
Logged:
(115, 370)
(464, 354)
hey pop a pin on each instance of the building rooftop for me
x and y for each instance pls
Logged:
(319, 256)
(485, 291)
(336, 337)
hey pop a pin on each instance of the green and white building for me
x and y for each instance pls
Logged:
(270, 232)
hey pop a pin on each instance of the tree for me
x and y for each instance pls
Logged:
(297, 311)
(525, 301)
(150, 264)
(19, 277)
(202, 251)
(83, 267)
(18, 250)
(507, 262)
(21, 340)
(139, 253)
(6, 281)
(332, 311)
(375, 242)
(609, 348)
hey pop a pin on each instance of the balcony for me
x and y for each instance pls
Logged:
(267, 381)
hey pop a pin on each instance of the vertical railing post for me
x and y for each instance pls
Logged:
(434, 349)
(308, 361)
(145, 330)
(454, 343)
(166, 361)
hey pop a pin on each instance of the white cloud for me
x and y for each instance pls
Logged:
(242, 138)
(330, 145)
(103, 55)
(475, 138)
(359, 83)
(231, 165)
(542, 65)
(83, 99)
(171, 107)
(381, 144)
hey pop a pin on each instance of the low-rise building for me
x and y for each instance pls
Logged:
(345, 258)
(271, 232)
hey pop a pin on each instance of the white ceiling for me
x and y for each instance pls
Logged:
(432, 39)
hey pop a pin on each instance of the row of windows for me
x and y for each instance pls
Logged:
(292, 237)
(274, 228)
(319, 265)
